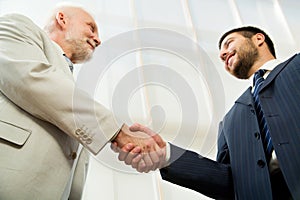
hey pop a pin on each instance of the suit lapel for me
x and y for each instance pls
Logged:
(246, 98)
(275, 72)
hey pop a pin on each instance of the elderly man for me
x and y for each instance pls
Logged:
(41, 124)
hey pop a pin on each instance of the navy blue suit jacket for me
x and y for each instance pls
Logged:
(241, 169)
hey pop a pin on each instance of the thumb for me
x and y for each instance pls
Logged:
(138, 127)
(160, 142)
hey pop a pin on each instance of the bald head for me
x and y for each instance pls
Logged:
(74, 30)
(66, 8)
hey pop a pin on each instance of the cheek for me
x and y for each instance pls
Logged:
(87, 33)
(228, 69)
(80, 34)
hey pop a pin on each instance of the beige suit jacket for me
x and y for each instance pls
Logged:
(40, 121)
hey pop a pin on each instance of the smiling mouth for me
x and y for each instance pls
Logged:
(228, 57)
(92, 46)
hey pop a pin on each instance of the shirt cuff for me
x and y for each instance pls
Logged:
(116, 134)
(168, 154)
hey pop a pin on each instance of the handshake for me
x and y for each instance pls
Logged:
(140, 147)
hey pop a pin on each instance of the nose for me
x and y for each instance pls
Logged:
(223, 54)
(97, 40)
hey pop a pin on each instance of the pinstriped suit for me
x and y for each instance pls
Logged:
(241, 171)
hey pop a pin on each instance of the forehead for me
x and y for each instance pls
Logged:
(230, 36)
(84, 17)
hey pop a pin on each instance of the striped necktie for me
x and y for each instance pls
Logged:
(69, 63)
(264, 129)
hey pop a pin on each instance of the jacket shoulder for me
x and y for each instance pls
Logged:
(18, 18)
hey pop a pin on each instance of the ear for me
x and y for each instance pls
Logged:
(259, 39)
(61, 20)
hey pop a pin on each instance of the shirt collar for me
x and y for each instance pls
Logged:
(58, 47)
(269, 66)
(70, 64)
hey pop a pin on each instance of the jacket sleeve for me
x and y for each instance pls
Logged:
(191, 170)
(34, 76)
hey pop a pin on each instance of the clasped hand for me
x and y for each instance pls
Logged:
(140, 147)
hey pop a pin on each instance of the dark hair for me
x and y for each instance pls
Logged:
(248, 32)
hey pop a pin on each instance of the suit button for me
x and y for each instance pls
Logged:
(257, 135)
(85, 136)
(73, 155)
(79, 132)
(261, 163)
(89, 141)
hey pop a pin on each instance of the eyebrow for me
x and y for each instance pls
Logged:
(93, 25)
(226, 41)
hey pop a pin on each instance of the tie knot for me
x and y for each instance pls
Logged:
(258, 76)
(261, 72)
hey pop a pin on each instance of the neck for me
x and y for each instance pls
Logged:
(57, 39)
(260, 62)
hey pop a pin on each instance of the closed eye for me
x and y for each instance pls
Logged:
(92, 27)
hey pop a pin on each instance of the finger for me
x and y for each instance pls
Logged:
(157, 157)
(141, 166)
(124, 151)
(148, 162)
(155, 160)
(136, 160)
(138, 127)
(135, 127)
(162, 158)
(114, 147)
(132, 154)
(161, 143)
